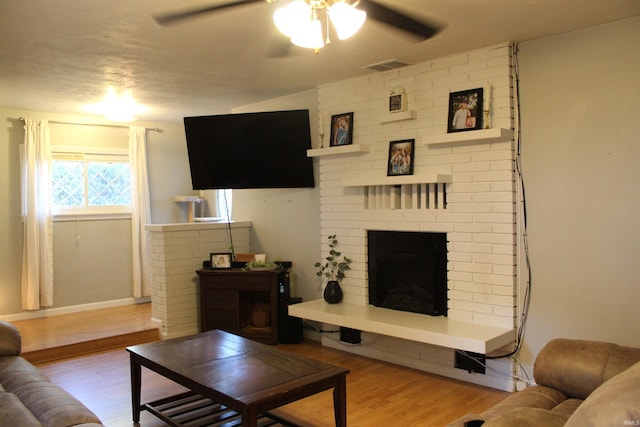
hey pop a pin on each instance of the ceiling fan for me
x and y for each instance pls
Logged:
(299, 20)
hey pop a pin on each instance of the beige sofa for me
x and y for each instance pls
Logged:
(27, 397)
(578, 383)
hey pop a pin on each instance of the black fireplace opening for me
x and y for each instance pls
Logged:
(408, 271)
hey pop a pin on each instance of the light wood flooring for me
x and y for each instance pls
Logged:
(58, 337)
(379, 394)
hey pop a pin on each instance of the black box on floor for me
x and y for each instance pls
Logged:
(349, 335)
(469, 361)
(289, 328)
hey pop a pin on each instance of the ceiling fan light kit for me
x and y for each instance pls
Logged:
(346, 19)
(309, 37)
(291, 19)
(300, 21)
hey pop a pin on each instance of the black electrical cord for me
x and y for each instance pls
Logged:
(518, 165)
(322, 331)
(226, 208)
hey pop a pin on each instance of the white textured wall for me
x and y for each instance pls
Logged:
(581, 152)
(285, 221)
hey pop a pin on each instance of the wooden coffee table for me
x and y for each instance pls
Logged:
(230, 376)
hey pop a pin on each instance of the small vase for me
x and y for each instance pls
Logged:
(332, 292)
(260, 316)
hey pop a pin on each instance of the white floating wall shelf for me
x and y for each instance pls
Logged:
(397, 180)
(338, 149)
(472, 136)
(399, 116)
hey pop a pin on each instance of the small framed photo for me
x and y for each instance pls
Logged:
(341, 129)
(465, 110)
(401, 155)
(220, 260)
(397, 101)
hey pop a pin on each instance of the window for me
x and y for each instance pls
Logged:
(90, 183)
(224, 204)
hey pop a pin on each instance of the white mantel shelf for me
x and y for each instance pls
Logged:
(472, 136)
(397, 180)
(433, 330)
(338, 149)
(399, 116)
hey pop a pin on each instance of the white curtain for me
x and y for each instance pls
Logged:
(140, 210)
(37, 252)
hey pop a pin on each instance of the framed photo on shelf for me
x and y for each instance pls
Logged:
(220, 260)
(397, 101)
(341, 129)
(401, 154)
(465, 110)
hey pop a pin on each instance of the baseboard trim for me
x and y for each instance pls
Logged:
(48, 312)
(92, 346)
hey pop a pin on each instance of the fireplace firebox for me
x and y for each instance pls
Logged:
(408, 271)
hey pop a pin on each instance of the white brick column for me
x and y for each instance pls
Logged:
(177, 251)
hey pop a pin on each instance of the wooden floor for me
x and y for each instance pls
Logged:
(378, 393)
(68, 335)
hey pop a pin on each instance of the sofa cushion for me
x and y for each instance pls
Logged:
(526, 417)
(531, 397)
(614, 403)
(15, 372)
(50, 404)
(14, 413)
(54, 407)
(567, 408)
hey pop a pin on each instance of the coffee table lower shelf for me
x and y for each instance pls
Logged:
(193, 410)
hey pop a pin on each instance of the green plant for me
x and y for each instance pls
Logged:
(262, 264)
(333, 268)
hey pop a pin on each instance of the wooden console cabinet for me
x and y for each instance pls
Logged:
(241, 302)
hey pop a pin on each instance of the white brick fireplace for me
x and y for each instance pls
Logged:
(475, 171)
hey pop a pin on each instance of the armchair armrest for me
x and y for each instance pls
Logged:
(10, 340)
(577, 367)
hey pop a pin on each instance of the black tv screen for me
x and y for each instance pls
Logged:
(250, 150)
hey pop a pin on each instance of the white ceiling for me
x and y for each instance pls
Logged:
(58, 55)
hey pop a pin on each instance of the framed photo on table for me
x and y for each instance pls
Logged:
(341, 129)
(220, 260)
(401, 154)
(465, 110)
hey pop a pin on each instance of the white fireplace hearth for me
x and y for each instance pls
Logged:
(422, 328)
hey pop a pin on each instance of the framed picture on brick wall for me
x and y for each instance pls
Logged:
(401, 154)
(341, 129)
(397, 100)
(465, 110)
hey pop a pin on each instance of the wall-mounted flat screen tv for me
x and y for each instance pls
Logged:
(250, 150)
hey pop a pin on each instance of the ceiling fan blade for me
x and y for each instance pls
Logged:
(175, 17)
(280, 47)
(399, 20)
